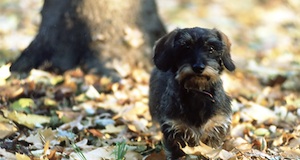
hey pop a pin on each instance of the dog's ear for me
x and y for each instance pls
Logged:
(164, 52)
(226, 57)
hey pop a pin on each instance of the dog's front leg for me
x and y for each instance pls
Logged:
(172, 142)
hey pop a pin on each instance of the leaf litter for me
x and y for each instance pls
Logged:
(85, 116)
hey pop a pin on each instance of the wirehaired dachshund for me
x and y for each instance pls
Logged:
(186, 97)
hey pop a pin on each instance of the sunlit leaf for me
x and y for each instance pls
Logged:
(50, 102)
(23, 104)
(99, 153)
(113, 129)
(4, 74)
(203, 150)
(6, 129)
(28, 120)
(92, 93)
(22, 157)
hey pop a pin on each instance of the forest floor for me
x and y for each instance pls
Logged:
(84, 116)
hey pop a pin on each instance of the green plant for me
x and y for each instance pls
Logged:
(78, 151)
(120, 150)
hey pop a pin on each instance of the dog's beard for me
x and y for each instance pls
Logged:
(193, 81)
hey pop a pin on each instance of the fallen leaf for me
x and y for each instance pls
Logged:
(22, 157)
(203, 150)
(92, 93)
(99, 153)
(225, 155)
(241, 144)
(6, 129)
(6, 155)
(96, 133)
(23, 105)
(259, 113)
(262, 132)
(260, 143)
(4, 73)
(133, 155)
(288, 152)
(28, 120)
(113, 129)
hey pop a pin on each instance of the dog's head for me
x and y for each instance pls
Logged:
(197, 55)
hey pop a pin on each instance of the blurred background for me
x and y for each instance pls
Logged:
(262, 31)
(265, 34)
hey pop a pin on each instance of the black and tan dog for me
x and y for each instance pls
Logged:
(187, 98)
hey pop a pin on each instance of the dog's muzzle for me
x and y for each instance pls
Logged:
(196, 77)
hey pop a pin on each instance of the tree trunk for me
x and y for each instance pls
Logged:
(93, 34)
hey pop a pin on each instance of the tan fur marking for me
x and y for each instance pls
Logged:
(195, 81)
(212, 133)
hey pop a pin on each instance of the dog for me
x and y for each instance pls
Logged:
(186, 96)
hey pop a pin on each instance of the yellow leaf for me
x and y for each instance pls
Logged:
(4, 72)
(23, 104)
(113, 129)
(6, 129)
(28, 120)
(22, 157)
(46, 146)
(49, 102)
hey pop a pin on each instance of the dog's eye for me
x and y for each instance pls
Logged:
(185, 44)
(211, 50)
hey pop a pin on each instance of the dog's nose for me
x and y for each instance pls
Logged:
(198, 68)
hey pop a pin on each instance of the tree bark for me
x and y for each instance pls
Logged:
(93, 34)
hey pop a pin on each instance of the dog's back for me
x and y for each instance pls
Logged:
(158, 86)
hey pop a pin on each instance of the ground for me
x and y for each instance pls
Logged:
(79, 116)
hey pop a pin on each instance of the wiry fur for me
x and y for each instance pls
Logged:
(187, 98)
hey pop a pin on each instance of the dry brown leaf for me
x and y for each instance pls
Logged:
(52, 155)
(259, 113)
(225, 155)
(295, 142)
(288, 152)
(95, 133)
(260, 143)
(203, 150)
(278, 141)
(156, 156)
(241, 144)
(6, 129)
(254, 153)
